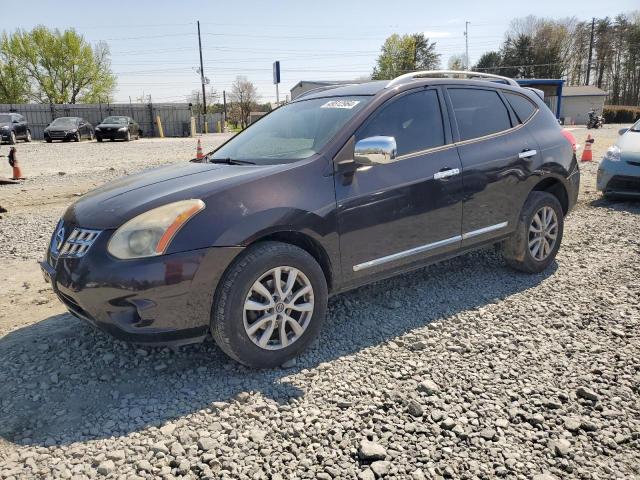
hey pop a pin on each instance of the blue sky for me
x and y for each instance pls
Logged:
(155, 50)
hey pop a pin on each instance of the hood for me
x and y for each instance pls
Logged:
(111, 205)
(112, 125)
(629, 144)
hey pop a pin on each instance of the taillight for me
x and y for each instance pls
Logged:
(570, 138)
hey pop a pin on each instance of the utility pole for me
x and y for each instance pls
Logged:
(204, 96)
(466, 42)
(593, 26)
(224, 107)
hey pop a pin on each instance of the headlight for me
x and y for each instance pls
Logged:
(97, 129)
(613, 154)
(122, 129)
(5, 128)
(149, 234)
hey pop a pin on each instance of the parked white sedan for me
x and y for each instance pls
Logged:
(619, 170)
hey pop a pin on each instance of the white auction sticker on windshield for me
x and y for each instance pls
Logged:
(341, 104)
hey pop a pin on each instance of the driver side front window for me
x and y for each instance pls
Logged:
(414, 120)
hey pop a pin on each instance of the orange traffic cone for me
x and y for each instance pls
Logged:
(587, 155)
(199, 154)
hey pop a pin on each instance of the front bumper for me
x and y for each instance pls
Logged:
(59, 135)
(111, 134)
(159, 300)
(5, 135)
(618, 178)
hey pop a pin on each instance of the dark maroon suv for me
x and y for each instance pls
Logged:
(341, 187)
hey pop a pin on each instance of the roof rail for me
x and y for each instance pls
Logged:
(320, 89)
(441, 73)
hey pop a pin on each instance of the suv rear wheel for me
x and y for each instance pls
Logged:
(536, 241)
(270, 305)
(28, 137)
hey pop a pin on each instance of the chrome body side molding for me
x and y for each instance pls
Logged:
(428, 246)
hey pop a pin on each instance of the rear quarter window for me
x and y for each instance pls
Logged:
(478, 112)
(523, 107)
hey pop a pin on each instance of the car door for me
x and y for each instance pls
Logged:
(390, 215)
(496, 154)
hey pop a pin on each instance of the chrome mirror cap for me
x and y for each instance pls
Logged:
(375, 150)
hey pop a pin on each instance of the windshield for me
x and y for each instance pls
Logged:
(635, 127)
(65, 122)
(292, 132)
(117, 120)
(5, 118)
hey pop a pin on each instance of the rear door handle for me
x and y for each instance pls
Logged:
(449, 172)
(527, 154)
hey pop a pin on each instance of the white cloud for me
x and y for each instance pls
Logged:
(434, 34)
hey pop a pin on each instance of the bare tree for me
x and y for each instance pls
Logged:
(244, 96)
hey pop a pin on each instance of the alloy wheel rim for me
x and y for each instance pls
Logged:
(543, 233)
(278, 308)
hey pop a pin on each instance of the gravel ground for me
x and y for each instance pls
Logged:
(461, 370)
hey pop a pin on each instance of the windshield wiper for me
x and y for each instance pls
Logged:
(230, 161)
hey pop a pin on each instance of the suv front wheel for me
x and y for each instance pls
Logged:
(270, 305)
(535, 243)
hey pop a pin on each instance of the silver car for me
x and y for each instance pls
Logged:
(619, 170)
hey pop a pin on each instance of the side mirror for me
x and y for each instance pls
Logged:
(622, 131)
(375, 150)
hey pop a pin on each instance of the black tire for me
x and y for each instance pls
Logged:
(27, 139)
(49, 140)
(77, 137)
(227, 326)
(12, 138)
(99, 139)
(516, 249)
(128, 137)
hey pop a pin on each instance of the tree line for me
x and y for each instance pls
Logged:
(535, 47)
(546, 48)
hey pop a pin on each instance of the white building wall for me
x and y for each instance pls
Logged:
(575, 110)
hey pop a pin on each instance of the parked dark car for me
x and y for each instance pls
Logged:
(339, 188)
(118, 128)
(14, 127)
(67, 129)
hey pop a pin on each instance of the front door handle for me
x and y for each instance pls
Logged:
(527, 154)
(447, 172)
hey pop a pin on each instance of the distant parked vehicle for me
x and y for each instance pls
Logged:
(67, 129)
(14, 127)
(118, 128)
(619, 170)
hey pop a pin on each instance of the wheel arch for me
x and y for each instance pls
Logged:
(306, 243)
(555, 187)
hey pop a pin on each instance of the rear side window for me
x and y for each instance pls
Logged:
(523, 107)
(414, 120)
(478, 112)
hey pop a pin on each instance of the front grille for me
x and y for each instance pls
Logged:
(621, 183)
(57, 134)
(79, 242)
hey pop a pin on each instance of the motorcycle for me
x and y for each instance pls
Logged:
(595, 121)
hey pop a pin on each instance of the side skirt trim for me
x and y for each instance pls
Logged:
(427, 247)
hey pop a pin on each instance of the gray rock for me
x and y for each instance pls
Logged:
(561, 447)
(587, 394)
(415, 409)
(572, 424)
(428, 387)
(106, 467)
(371, 451)
(366, 475)
(380, 468)
(488, 433)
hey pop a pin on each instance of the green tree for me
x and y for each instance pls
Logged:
(406, 53)
(489, 62)
(14, 81)
(63, 66)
